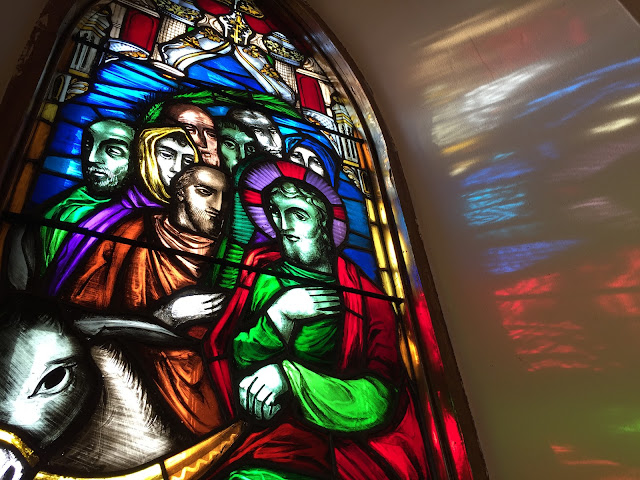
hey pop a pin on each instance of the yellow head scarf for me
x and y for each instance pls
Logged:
(147, 159)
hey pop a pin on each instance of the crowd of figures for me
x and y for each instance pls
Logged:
(193, 286)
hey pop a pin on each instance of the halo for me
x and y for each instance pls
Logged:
(259, 178)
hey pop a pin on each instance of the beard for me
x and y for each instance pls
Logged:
(104, 182)
(206, 223)
(307, 252)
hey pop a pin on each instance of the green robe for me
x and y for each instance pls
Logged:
(342, 405)
(73, 209)
(312, 341)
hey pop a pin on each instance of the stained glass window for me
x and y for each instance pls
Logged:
(200, 271)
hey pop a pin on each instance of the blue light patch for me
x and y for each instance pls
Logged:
(518, 257)
(497, 173)
(494, 205)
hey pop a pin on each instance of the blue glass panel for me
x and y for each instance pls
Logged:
(129, 94)
(118, 75)
(348, 189)
(218, 111)
(300, 127)
(119, 114)
(68, 166)
(249, 82)
(149, 72)
(49, 185)
(287, 131)
(67, 140)
(226, 63)
(358, 241)
(364, 260)
(206, 75)
(78, 113)
(104, 101)
(357, 214)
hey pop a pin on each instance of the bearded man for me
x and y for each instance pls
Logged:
(317, 372)
(123, 278)
(106, 146)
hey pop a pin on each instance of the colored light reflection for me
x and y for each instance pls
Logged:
(623, 283)
(615, 125)
(497, 173)
(494, 205)
(518, 257)
(567, 455)
(541, 339)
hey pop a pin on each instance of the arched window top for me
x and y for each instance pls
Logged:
(203, 269)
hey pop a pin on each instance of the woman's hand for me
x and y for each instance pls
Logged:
(259, 392)
(302, 303)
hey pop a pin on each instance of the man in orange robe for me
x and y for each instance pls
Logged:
(126, 278)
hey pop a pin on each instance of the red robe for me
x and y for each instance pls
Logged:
(369, 344)
(126, 278)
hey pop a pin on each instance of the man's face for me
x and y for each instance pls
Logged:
(203, 199)
(200, 127)
(105, 155)
(172, 155)
(235, 146)
(300, 230)
(47, 380)
(308, 158)
(264, 129)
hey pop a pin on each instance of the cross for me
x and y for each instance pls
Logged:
(237, 27)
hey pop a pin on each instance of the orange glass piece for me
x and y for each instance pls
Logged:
(38, 141)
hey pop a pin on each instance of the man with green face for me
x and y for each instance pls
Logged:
(106, 146)
(235, 143)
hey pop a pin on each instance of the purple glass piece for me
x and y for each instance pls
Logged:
(321, 184)
(339, 232)
(260, 238)
(262, 176)
(259, 217)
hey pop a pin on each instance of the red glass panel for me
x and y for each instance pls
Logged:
(140, 29)
(310, 93)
